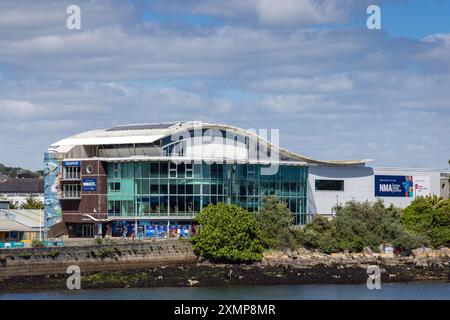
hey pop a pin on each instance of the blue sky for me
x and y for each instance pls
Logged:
(310, 68)
(417, 18)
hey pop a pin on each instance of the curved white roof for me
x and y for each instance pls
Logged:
(149, 133)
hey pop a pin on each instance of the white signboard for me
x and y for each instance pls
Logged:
(421, 186)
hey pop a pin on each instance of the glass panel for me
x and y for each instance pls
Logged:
(145, 188)
(145, 168)
(154, 169)
(130, 170)
(123, 170)
(164, 171)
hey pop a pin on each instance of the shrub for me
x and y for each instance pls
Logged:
(358, 225)
(429, 217)
(274, 219)
(227, 233)
(35, 243)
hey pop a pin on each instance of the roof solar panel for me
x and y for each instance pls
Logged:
(149, 126)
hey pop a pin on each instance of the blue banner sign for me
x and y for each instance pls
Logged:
(394, 186)
(53, 243)
(10, 245)
(89, 184)
(71, 163)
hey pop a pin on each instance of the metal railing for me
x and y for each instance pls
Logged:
(71, 176)
(71, 195)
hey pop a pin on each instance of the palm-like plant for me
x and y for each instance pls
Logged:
(13, 205)
(32, 203)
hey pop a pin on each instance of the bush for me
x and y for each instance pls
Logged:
(99, 241)
(274, 219)
(35, 243)
(429, 217)
(227, 233)
(319, 234)
(359, 225)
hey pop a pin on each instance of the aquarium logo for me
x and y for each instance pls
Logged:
(73, 21)
(74, 280)
(374, 280)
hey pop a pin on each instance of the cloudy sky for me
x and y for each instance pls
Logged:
(310, 68)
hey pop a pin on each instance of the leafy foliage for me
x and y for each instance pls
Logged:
(358, 225)
(36, 243)
(227, 233)
(274, 219)
(429, 217)
(32, 203)
(13, 205)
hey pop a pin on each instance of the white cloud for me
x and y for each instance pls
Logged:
(333, 93)
(269, 13)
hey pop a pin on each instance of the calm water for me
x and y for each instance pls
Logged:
(415, 291)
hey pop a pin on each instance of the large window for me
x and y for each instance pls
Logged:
(72, 191)
(72, 173)
(329, 185)
(163, 188)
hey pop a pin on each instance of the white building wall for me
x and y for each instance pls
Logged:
(359, 185)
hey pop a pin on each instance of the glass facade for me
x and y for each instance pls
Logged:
(169, 190)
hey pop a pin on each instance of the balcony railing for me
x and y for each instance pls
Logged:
(71, 176)
(71, 195)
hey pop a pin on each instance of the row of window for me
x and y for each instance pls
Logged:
(71, 172)
(187, 205)
(142, 186)
(71, 191)
(165, 169)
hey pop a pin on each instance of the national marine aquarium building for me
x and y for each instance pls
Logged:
(150, 180)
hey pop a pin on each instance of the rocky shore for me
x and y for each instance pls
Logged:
(419, 258)
(276, 268)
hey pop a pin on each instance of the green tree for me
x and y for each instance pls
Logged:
(274, 219)
(32, 203)
(227, 233)
(429, 217)
(320, 234)
(358, 225)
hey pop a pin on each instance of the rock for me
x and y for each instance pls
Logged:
(289, 253)
(192, 282)
(444, 252)
(303, 251)
(421, 252)
(421, 263)
(367, 251)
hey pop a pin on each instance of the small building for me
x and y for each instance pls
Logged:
(4, 204)
(20, 225)
(18, 189)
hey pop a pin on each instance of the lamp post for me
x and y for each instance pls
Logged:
(40, 225)
(337, 204)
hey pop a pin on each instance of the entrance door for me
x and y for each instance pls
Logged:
(88, 231)
(85, 231)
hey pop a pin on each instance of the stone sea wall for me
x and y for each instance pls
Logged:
(95, 258)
